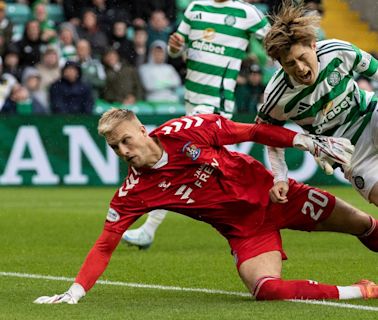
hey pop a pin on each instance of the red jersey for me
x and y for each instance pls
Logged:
(198, 177)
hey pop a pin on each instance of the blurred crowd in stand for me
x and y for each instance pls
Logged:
(66, 57)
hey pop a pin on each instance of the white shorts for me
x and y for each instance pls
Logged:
(364, 170)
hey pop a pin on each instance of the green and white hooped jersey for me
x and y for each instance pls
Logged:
(333, 105)
(216, 36)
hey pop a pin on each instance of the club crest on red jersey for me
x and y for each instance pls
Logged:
(191, 150)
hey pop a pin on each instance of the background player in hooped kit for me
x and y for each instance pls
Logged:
(215, 35)
(315, 88)
(183, 166)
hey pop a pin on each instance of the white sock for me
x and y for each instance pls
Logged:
(154, 219)
(349, 292)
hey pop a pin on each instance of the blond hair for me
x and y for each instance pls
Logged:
(113, 117)
(291, 25)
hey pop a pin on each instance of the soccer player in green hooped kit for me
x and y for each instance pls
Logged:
(215, 35)
(315, 88)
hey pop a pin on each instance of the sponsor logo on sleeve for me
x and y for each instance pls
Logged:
(113, 216)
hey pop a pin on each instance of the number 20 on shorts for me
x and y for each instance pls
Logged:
(315, 199)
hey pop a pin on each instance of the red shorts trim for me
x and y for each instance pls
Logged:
(306, 207)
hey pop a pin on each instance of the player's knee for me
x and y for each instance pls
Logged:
(269, 289)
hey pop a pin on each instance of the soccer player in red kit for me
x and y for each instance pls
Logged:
(183, 166)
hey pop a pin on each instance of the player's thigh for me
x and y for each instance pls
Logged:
(346, 219)
(268, 264)
(306, 207)
(363, 173)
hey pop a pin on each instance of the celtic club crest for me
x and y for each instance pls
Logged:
(334, 78)
(229, 20)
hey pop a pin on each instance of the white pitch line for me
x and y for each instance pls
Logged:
(338, 305)
(184, 289)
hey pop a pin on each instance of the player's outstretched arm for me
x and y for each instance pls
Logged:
(326, 150)
(92, 268)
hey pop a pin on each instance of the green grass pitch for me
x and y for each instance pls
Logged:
(48, 231)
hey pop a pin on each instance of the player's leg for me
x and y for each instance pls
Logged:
(267, 265)
(373, 195)
(347, 219)
(307, 209)
(262, 276)
(259, 262)
(363, 173)
(144, 235)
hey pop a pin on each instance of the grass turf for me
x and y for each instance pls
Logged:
(49, 231)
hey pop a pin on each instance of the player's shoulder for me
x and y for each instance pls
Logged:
(332, 47)
(194, 5)
(277, 76)
(185, 124)
(201, 3)
(249, 8)
(278, 87)
(278, 79)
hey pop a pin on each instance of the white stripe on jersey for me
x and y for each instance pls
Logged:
(221, 39)
(214, 81)
(198, 98)
(214, 59)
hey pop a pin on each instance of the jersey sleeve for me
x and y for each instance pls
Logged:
(215, 130)
(365, 64)
(125, 208)
(97, 259)
(277, 162)
(185, 25)
(260, 24)
(271, 111)
(356, 59)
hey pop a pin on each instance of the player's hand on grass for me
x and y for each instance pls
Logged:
(326, 150)
(57, 298)
(278, 192)
(72, 296)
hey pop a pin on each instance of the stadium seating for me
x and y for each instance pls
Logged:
(143, 108)
(55, 13)
(175, 109)
(18, 13)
